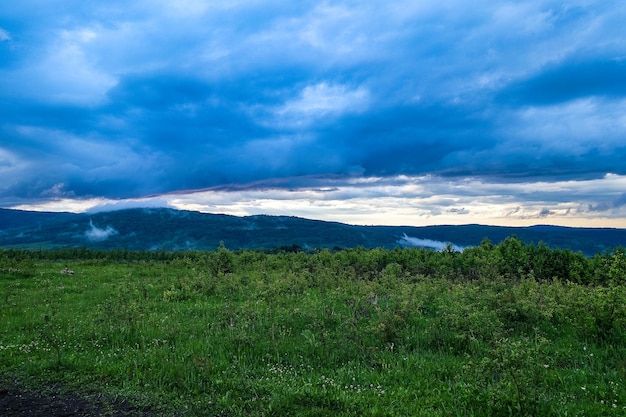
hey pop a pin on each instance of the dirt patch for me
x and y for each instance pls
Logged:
(16, 402)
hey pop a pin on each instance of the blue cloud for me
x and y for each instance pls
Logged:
(570, 80)
(128, 100)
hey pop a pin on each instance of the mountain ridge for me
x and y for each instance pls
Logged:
(171, 229)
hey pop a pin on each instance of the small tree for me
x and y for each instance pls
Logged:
(221, 262)
(514, 263)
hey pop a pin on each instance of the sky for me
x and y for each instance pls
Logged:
(365, 112)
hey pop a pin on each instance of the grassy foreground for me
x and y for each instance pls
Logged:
(358, 333)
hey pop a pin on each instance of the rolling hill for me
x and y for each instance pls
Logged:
(169, 229)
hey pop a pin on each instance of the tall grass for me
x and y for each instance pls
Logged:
(253, 334)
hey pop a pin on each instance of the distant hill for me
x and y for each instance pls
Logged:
(169, 229)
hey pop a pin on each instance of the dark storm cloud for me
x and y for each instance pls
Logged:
(126, 100)
(570, 80)
(414, 139)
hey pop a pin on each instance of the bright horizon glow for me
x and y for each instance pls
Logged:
(401, 201)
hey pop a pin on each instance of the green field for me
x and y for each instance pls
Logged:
(496, 330)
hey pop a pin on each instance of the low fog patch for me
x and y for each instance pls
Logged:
(96, 234)
(427, 243)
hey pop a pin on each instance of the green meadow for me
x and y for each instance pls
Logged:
(495, 330)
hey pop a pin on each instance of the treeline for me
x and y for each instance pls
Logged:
(512, 259)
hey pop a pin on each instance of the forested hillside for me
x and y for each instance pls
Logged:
(176, 230)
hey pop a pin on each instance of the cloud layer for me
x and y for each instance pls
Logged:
(525, 102)
(429, 243)
(96, 234)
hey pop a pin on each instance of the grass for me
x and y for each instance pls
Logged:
(295, 335)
